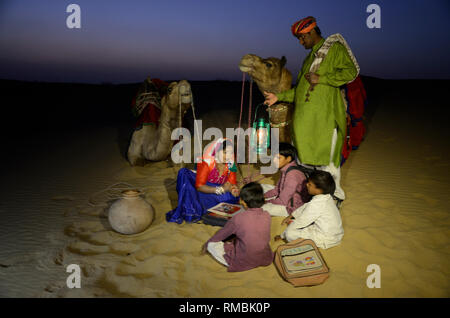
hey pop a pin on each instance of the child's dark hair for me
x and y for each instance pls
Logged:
(324, 181)
(287, 150)
(253, 195)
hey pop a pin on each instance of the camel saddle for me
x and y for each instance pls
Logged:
(146, 105)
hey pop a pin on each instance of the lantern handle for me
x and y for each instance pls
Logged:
(256, 111)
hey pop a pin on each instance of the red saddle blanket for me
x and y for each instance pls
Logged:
(146, 105)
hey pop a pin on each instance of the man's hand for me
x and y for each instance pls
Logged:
(271, 98)
(312, 78)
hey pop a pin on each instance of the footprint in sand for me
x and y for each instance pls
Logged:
(429, 200)
(383, 203)
(424, 180)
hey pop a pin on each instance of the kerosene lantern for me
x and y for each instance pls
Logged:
(260, 141)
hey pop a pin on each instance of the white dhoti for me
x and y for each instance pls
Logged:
(333, 170)
(273, 209)
(217, 250)
(292, 233)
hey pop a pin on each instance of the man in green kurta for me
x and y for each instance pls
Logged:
(319, 119)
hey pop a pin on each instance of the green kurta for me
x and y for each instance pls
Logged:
(315, 120)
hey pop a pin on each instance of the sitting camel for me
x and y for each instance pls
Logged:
(271, 76)
(158, 116)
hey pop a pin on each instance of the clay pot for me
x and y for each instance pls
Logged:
(130, 214)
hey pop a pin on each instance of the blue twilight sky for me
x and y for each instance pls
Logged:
(124, 41)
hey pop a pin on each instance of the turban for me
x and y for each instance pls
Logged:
(303, 26)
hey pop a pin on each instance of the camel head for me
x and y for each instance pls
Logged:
(269, 74)
(178, 92)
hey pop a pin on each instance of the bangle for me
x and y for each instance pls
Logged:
(220, 190)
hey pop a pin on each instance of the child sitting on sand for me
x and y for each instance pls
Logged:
(319, 219)
(251, 228)
(290, 192)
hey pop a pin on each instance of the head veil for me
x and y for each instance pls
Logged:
(209, 155)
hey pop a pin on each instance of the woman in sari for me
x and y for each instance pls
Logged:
(214, 182)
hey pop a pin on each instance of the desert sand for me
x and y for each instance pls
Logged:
(55, 198)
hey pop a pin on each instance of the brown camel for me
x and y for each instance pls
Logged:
(154, 143)
(271, 76)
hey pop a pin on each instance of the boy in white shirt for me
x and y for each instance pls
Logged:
(319, 219)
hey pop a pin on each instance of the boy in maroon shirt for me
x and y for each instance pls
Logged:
(290, 192)
(250, 247)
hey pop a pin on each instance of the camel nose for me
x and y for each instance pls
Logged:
(185, 92)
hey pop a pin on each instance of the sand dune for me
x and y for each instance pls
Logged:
(396, 215)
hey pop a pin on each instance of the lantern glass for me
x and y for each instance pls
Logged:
(261, 136)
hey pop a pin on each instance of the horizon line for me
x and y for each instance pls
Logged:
(197, 81)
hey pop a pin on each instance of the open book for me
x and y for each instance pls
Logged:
(226, 209)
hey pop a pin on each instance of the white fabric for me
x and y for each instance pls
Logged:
(217, 250)
(322, 52)
(318, 220)
(333, 170)
(267, 187)
(273, 209)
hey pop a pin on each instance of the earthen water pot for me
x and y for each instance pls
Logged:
(130, 214)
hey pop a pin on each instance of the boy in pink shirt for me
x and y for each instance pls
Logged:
(290, 192)
(250, 247)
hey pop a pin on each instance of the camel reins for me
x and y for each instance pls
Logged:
(247, 179)
(180, 117)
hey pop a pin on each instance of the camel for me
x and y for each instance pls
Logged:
(270, 75)
(153, 142)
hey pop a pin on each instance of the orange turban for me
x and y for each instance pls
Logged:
(303, 26)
